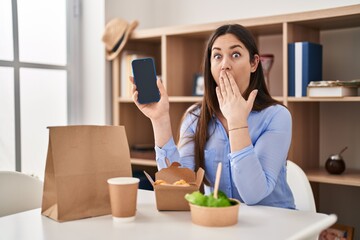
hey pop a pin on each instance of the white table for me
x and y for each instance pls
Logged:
(255, 222)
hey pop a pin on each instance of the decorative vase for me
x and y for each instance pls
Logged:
(335, 164)
(267, 61)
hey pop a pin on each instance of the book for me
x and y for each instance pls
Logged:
(333, 88)
(338, 91)
(304, 66)
(126, 70)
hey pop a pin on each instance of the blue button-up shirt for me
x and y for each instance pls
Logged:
(255, 174)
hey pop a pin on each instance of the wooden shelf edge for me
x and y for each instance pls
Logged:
(279, 98)
(350, 177)
(172, 99)
(125, 100)
(185, 99)
(324, 99)
(143, 162)
(266, 21)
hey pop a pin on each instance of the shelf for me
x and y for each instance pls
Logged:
(350, 20)
(186, 99)
(190, 99)
(264, 25)
(349, 178)
(172, 45)
(143, 162)
(278, 98)
(175, 99)
(125, 100)
(323, 99)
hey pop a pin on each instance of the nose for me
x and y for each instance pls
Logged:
(225, 64)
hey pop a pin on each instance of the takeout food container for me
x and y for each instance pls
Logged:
(172, 197)
(215, 216)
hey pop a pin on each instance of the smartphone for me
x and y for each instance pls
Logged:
(145, 80)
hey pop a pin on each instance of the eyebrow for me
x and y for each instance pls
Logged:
(231, 47)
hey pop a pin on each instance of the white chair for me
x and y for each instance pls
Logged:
(19, 192)
(300, 187)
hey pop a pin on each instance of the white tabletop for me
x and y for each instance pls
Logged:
(255, 222)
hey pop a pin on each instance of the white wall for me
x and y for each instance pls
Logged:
(158, 13)
(95, 93)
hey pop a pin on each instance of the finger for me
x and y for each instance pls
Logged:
(222, 86)
(133, 86)
(160, 87)
(234, 86)
(218, 94)
(227, 84)
(251, 98)
(131, 78)
(222, 74)
(135, 98)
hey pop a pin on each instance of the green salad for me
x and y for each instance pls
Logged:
(197, 198)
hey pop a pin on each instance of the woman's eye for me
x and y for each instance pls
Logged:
(217, 56)
(236, 55)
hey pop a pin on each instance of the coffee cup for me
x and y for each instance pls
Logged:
(123, 198)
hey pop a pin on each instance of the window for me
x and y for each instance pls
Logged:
(7, 119)
(34, 79)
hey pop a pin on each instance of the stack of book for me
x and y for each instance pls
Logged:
(304, 66)
(333, 88)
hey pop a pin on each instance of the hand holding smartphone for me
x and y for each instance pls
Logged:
(145, 80)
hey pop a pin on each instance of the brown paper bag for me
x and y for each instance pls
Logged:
(80, 159)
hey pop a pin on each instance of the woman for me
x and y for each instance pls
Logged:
(237, 123)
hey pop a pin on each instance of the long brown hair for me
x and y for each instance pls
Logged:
(210, 105)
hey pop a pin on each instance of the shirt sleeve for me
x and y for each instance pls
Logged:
(184, 152)
(258, 165)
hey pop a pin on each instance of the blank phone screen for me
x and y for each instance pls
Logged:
(145, 80)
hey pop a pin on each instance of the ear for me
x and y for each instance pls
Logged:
(255, 63)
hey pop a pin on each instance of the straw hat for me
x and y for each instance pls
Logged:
(115, 36)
